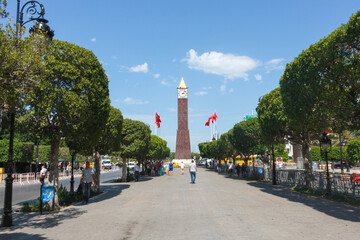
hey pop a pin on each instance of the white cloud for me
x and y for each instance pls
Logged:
(274, 64)
(140, 68)
(227, 65)
(201, 93)
(172, 109)
(93, 39)
(114, 57)
(231, 90)
(156, 75)
(130, 101)
(258, 77)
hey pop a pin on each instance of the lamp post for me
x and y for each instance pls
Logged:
(73, 154)
(325, 144)
(35, 12)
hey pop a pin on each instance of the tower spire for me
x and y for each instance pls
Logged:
(182, 83)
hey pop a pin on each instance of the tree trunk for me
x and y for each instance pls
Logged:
(124, 167)
(296, 152)
(54, 173)
(307, 163)
(97, 171)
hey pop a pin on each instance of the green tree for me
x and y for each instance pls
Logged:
(136, 138)
(195, 155)
(353, 150)
(245, 137)
(273, 123)
(18, 150)
(204, 151)
(21, 64)
(72, 96)
(3, 4)
(304, 93)
(226, 146)
(158, 149)
(109, 141)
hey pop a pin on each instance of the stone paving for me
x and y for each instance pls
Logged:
(170, 207)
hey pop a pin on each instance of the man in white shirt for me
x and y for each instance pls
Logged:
(87, 179)
(192, 171)
(137, 172)
(43, 174)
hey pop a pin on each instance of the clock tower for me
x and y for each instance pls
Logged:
(182, 151)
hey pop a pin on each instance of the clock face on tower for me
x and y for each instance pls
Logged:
(182, 93)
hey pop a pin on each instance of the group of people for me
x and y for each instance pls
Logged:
(231, 168)
(159, 168)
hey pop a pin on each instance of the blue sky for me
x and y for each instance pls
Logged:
(229, 52)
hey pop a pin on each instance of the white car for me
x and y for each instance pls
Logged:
(131, 165)
(106, 164)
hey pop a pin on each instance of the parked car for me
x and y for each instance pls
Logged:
(131, 165)
(106, 164)
(338, 164)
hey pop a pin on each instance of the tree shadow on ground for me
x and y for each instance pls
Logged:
(109, 191)
(22, 236)
(52, 219)
(331, 208)
(44, 221)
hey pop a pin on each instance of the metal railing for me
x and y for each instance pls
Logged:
(23, 178)
(344, 183)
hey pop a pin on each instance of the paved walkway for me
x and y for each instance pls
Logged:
(170, 207)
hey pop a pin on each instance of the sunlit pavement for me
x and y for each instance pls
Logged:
(170, 207)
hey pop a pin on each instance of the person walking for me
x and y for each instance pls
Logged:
(231, 167)
(160, 169)
(87, 178)
(167, 169)
(192, 171)
(171, 168)
(137, 172)
(238, 168)
(43, 174)
(182, 166)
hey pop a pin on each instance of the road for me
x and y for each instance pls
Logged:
(30, 191)
(170, 207)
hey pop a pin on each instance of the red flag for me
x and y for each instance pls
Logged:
(208, 122)
(213, 117)
(157, 120)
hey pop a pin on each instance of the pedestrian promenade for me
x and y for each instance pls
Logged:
(170, 207)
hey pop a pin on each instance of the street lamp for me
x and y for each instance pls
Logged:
(325, 144)
(35, 12)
